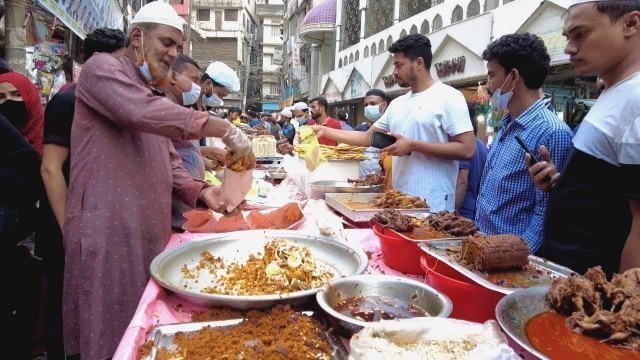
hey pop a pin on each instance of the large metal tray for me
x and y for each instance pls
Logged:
(340, 202)
(514, 311)
(166, 268)
(330, 186)
(550, 270)
(162, 336)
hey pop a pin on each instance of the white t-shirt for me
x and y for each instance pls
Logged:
(430, 116)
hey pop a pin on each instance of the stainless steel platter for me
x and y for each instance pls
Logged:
(166, 268)
(340, 202)
(549, 270)
(329, 186)
(162, 336)
(514, 311)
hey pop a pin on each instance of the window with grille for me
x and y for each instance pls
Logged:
(378, 17)
(437, 22)
(274, 89)
(473, 9)
(424, 28)
(204, 15)
(276, 31)
(350, 24)
(408, 8)
(457, 14)
(491, 4)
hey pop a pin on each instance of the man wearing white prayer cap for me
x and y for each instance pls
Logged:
(217, 82)
(603, 39)
(124, 171)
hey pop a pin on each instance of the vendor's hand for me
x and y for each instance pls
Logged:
(214, 153)
(318, 130)
(237, 210)
(212, 197)
(238, 142)
(544, 174)
(401, 147)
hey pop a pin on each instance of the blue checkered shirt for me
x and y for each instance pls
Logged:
(509, 202)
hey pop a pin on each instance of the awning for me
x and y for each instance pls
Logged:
(319, 25)
(270, 107)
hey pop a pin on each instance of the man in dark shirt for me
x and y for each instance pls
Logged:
(593, 214)
(58, 118)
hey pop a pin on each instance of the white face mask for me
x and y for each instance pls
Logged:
(212, 100)
(500, 101)
(372, 112)
(301, 120)
(144, 68)
(190, 97)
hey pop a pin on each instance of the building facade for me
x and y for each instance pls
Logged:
(271, 34)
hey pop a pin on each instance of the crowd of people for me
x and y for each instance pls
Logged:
(96, 182)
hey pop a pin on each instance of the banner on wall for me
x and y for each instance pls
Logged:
(84, 16)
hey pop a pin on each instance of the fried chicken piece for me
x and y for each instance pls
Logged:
(246, 163)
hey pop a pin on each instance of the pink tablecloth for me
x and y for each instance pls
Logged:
(157, 307)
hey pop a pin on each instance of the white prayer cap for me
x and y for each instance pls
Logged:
(300, 106)
(224, 75)
(578, 2)
(288, 112)
(159, 13)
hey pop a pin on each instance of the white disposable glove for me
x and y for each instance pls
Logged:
(238, 142)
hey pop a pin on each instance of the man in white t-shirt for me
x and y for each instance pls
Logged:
(593, 212)
(430, 123)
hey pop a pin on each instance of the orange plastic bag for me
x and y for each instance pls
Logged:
(232, 223)
(200, 221)
(258, 221)
(286, 216)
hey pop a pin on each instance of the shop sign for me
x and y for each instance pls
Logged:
(555, 43)
(389, 81)
(333, 96)
(356, 85)
(84, 16)
(450, 67)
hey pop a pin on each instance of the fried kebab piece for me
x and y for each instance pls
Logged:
(452, 223)
(245, 163)
(369, 180)
(395, 199)
(395, 220)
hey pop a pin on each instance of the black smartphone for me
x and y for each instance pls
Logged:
(381, 140)
(534, 159)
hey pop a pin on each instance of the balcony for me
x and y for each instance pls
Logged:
(268, 10)
(218, 3)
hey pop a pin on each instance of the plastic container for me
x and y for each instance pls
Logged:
(471, 302)
(399, 254)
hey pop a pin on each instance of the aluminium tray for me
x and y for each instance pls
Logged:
(549, 270)
(340, 202)
(162, 336)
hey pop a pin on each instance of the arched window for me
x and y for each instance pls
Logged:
(414, 30)
(403, 33)
(457, 14)
(346, 60)
(374, 51)
(351, 59)
(424, 28)
(340, 63)
(437, 22)
(506, 1)
(408, 8)
(491, 4)
(381, 47)
(366, 52)
(378, 16)
(473, 9)
(389, 41)
(357, 55)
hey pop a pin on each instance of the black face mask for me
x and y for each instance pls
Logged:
(15, 112)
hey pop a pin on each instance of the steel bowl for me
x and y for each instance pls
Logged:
(319, 188)
(423, 296)
(343, 259)
(514, 311)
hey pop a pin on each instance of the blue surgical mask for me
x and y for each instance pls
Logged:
(144, 68)
(212, 100)
(500, 101)
(372, 112)
(301, 120)
(190, 97)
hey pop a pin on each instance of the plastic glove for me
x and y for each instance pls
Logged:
(238, 142)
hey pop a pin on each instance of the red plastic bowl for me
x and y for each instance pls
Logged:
(471, 302)
(398, 253)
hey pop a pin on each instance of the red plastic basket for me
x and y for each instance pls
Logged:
(398, 253)
(471, 302)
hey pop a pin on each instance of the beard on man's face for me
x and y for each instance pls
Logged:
(412, 78)
(160, 74)
(315, 114)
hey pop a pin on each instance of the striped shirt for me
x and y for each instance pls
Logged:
(509, 202)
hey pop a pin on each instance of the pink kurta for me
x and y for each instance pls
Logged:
(118, 215)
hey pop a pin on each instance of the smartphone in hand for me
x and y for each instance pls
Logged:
(534, 159)
(381, 140)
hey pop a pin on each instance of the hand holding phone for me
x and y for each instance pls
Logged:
(534, 159)
(381, 140)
